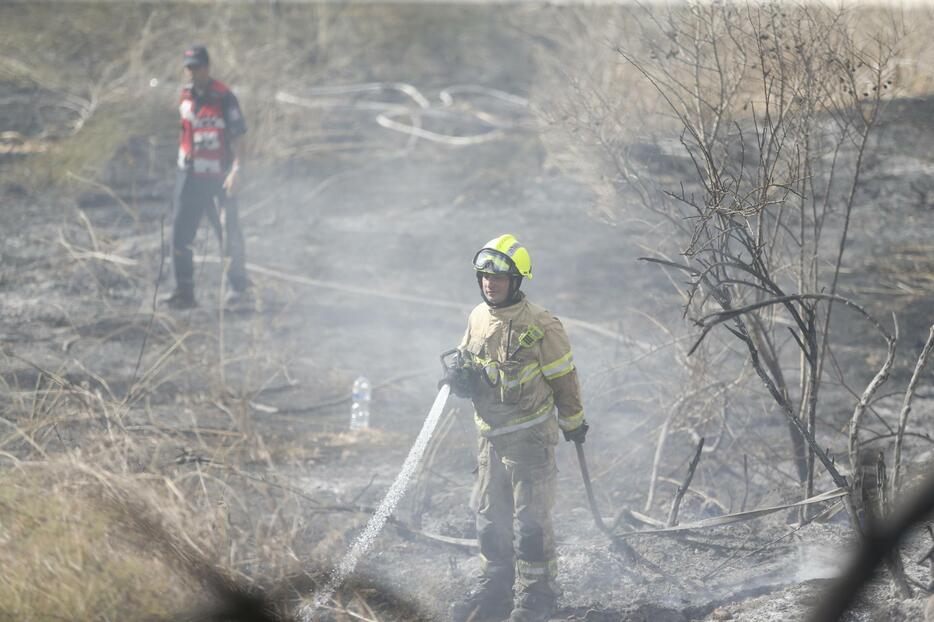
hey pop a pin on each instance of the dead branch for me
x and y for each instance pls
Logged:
(873, 491)
(718, 388)
(676, 503)
(879, 540)
(861, 404)
(710, 321)
(906, 410)
(656, 461)
(741, 332)
(727, 519)
(704, 497)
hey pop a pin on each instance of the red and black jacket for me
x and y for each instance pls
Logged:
(210, 120)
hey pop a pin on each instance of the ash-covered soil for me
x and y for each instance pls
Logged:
(361, 265)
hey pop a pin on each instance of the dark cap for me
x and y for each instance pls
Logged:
(196, 55)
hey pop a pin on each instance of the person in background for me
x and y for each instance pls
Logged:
(209, 163)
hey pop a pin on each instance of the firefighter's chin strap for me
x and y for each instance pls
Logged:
(514, 295)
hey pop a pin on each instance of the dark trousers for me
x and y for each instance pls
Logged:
(193, 197)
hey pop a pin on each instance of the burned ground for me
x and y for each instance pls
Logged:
(232, 428)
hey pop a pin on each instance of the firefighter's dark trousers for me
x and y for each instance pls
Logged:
(195, 196)
(514, 497)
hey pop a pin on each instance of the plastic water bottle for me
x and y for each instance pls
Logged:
(360, 408)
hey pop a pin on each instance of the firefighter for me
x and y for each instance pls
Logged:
(209, 163)
(518, 370)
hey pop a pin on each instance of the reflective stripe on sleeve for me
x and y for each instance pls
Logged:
(572, 422)
(556, 369)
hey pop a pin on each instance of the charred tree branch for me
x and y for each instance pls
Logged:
(676, 503)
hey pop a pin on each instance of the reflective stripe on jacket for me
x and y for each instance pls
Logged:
(533, 379)
(209, 121)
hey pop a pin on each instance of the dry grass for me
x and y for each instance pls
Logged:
(113, 506)
(150, 492)
(130, 527)
(65, 558)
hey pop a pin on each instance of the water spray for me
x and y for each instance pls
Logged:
(383, 511)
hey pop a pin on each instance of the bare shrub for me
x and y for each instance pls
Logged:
(747, 146)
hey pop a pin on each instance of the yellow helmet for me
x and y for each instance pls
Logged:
(503, 255)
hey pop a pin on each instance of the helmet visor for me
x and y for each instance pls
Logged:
(490, 261)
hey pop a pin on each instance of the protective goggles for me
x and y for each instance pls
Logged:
(490, 261)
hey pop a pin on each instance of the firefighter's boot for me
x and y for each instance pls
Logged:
(489, 599)
(181, 298)
(239, 300)
(533, 605)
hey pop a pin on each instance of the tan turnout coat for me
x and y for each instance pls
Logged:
(533, 380)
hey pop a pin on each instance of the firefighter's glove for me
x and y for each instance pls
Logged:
(578, 434)
(463, 380)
